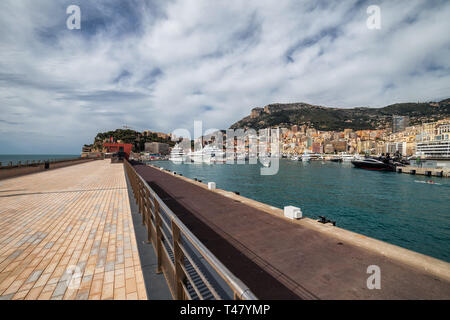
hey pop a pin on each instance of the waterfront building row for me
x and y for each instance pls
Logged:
(428, 140)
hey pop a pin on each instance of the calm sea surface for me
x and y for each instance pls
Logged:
(396, 208)
(6, 158)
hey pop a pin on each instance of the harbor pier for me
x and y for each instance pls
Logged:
(69, 234)
(435, 172)
(277, 257)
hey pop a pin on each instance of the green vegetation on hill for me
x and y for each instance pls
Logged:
(137, 139)
(324, 118)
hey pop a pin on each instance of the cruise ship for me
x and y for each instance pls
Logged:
(209, 154)
(212, 154)
(195, 156)
(177, 154)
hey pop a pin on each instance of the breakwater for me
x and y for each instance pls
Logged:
(388, 206)
(311, 259)
(29, 167)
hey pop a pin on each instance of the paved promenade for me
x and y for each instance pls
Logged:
(68, 234)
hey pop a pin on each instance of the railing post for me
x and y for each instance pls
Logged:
(158, 237)
(179, 261)
(144, 205)
(149, 216)
(140, 196)
(135, 180)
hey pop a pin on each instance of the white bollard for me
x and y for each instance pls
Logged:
(292, 212)
(211, 185)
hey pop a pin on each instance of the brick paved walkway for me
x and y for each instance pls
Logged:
(68, 234)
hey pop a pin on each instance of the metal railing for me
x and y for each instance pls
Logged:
(25, 163)
(192, 272)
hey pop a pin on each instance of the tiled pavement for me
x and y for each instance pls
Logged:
(68, 234)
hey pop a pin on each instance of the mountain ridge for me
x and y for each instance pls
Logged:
(335, 119)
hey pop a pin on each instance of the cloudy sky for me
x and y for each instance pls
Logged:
(160, 65)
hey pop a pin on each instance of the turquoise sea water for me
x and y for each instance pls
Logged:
(6, 158)
(393, 207)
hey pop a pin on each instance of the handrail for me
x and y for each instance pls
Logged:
(240, 290)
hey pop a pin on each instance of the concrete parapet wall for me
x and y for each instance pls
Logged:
(437, 172)
(20, 170)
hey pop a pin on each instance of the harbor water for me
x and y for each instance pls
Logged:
(5, 159)
(397, 208)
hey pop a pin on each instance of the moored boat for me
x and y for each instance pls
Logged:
(383, 163)
(208, 154)
(306, 156)
(347, 157)
(373, 164)
(177, 154)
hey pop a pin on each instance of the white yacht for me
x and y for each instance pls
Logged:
(195, 156)
(212, 154)
(252, 156)
(241, 156)
(347, 157)
(306, 156)
(209, 154)
(265, 162)
(177, 154)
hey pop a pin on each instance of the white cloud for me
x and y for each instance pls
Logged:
(162, 65)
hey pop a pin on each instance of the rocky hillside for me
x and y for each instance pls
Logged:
(324, 118)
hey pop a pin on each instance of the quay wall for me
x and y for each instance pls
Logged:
(7, 172)
(436, 172)
(418, 261)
